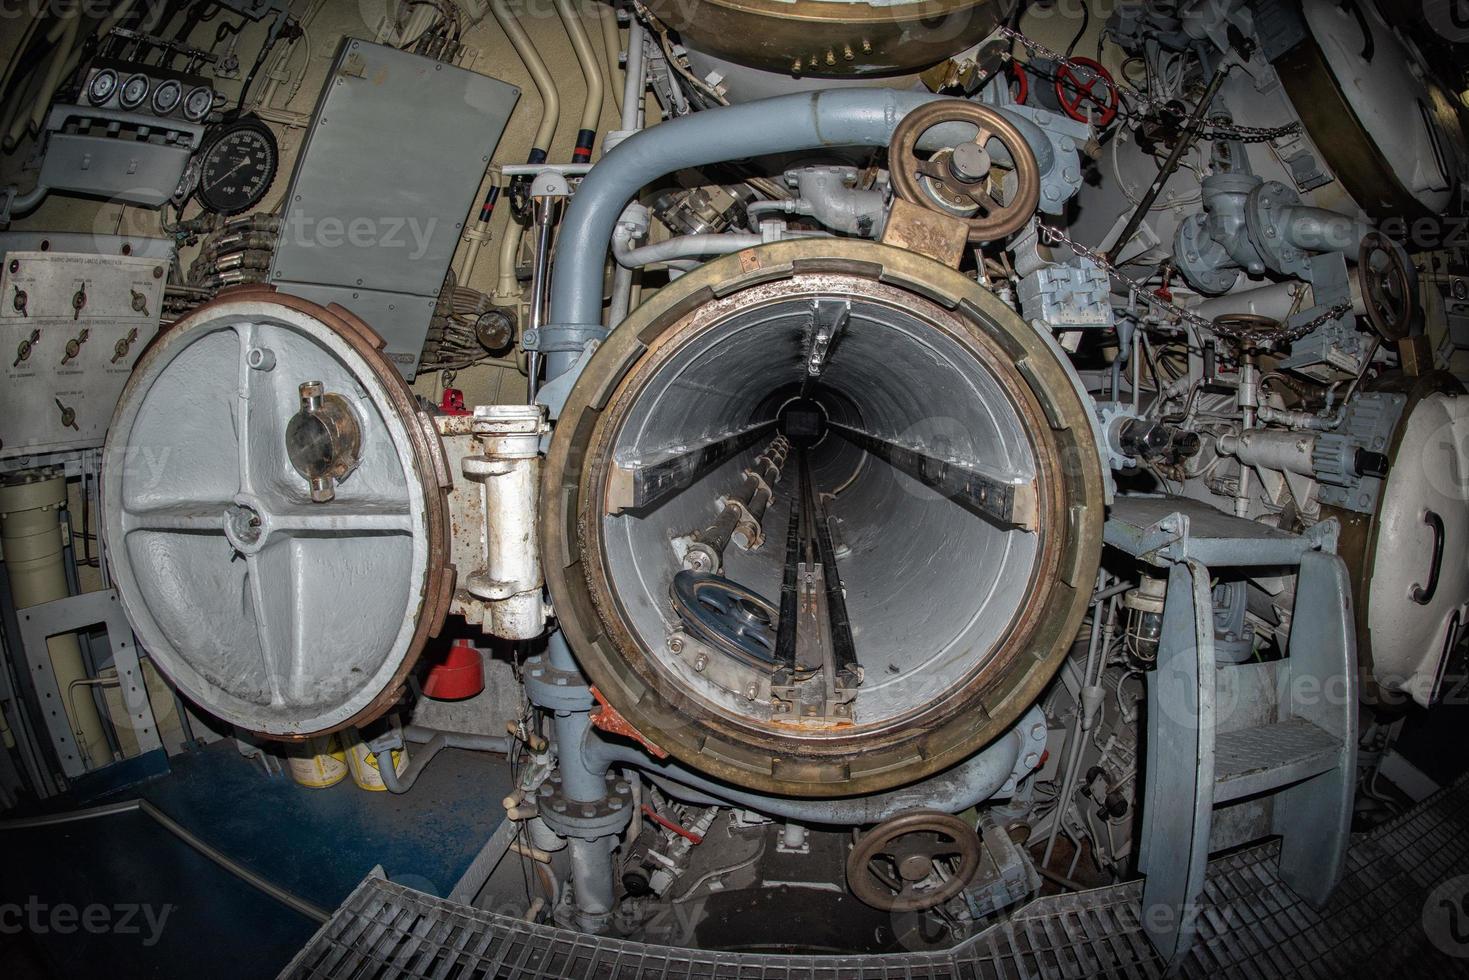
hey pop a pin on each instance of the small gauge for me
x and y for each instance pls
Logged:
(237, 166)
(134, 92)
(199, 103)
(167, 96)
(102, 87)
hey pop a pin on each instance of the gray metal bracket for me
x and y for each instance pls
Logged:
(1166, 530)
(39, 623)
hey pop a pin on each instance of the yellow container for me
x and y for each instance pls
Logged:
(363, 764)
(317, 762)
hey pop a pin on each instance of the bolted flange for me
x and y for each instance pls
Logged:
(586, 820)
(555, 690)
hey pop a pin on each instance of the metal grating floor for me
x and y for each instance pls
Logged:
(1252, 926)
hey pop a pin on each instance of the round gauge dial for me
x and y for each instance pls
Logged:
(102, 86)
(167, 96)
(237, 167)
(134, 91)
(199, 103)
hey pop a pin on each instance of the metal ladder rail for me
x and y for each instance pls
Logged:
(1305, 759)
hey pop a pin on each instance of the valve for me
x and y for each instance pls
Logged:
(1074, 91)
(895, 867)
(964, 180)
(323, 440)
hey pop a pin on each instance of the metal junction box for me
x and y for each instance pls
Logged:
(387, 175)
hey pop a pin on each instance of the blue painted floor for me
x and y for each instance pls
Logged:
(316, 844)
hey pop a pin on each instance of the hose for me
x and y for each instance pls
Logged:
(310, 911)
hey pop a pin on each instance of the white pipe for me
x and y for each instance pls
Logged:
(591, 113)
(611, 49)
(507, 288)
(635, 81)
(545, 84)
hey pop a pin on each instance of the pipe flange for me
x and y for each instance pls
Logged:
(586, 820)
(555, 690)
(1203, 262)
(1267, 215)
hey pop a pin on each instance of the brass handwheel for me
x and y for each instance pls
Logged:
(914, 861)
(965, 180)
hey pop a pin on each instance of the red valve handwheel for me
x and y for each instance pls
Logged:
(1075, 92)
(1019, 82)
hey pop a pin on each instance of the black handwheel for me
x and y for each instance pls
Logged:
(1389, 286)
(896, 866)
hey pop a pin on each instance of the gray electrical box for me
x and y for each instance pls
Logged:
(385, 180)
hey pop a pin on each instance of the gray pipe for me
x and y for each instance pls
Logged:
(681, 247)
(434, 743)
(634, 85)
(807, 121)
(591, 882)
(969, 783)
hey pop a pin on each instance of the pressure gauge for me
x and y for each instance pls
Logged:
(199, 103)
(134, 92)
(237, 166)
(102, 87)
(167, 96)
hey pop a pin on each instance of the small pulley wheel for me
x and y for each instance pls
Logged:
(915, 861)
(1389, 286)
(1075, 90)
(726, 616)
(966, 180)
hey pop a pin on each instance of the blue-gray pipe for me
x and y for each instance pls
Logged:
(433, 742)
(786, 123)
(954, 790)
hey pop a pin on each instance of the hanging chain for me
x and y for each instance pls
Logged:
(1248, 134)
(1175, 313)
(1213, 131)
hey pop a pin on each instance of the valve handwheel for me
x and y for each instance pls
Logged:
(995, 195)
(1075, 90)
(914, 861)
(1389, 286)
(1019, 82)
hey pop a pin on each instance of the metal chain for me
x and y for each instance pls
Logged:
(1213, 131)
(1055, 236)
(1248, 134)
